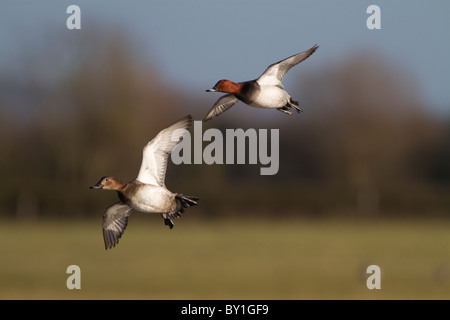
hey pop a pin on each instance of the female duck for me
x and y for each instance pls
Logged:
(147, 193)
(265, 92)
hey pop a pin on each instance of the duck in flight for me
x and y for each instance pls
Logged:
(147, 193)
(265, 92)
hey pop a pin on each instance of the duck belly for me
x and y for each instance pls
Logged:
(154, 199)
(271, 97)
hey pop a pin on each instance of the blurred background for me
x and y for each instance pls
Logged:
(364, 172)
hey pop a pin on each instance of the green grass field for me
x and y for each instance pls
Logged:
(227, 259)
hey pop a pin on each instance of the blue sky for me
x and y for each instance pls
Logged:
(195, 43)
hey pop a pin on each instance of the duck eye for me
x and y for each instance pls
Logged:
(106, 179)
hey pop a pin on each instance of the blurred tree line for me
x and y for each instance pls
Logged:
(72, 112)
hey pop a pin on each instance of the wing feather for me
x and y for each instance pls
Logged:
(223, 104)
(276, 71)
(115, 221)
(156, 152)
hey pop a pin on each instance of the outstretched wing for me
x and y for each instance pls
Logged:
(275, 72)
(115, 220)
(156, 152)
(223, 104)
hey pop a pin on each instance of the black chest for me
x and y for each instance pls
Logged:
(249, 91)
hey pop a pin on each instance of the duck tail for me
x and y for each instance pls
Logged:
(183, 202)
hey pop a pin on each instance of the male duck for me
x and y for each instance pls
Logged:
(265, 92)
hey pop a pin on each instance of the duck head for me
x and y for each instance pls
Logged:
(226, 86)
(108, 183)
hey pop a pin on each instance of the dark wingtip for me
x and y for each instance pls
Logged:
(188, 118)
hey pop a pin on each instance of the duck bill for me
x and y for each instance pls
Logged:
(97, 186)
(211, 90)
